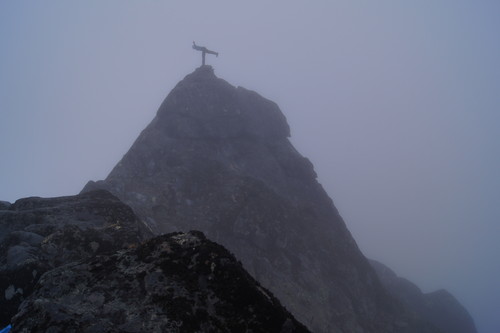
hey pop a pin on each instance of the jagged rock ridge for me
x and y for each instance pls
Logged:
(439, 307)
(217, 158)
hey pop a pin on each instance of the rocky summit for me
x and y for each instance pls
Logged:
(217, 158)
(439, 307)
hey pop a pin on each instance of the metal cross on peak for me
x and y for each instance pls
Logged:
(204, 51)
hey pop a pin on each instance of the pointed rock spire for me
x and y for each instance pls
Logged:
(217, 159)
(204, 106)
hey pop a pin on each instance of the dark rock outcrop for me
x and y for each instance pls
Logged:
(179, 282)
(439, 308)
(217, 159)
(37, 235)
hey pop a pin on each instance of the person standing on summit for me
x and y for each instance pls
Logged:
(203, 50)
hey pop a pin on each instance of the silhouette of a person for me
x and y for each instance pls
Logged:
(204, 51)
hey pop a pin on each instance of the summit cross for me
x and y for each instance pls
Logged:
(204, 51)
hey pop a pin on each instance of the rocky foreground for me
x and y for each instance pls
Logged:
(178, 282)
(80, 264)
(38, 235)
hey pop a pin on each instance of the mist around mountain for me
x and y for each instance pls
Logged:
(440, 307)
(216, 158)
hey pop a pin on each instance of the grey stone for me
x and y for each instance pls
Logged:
(217, 159)
(4, 205)
(155, 288)
(38, 234)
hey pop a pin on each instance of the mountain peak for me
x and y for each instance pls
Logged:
(216, 158)
(205, 106)
(205, 72)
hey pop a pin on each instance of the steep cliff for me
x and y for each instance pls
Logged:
(217, 159)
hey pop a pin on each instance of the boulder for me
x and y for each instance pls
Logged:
(180, 282)
(39, 234)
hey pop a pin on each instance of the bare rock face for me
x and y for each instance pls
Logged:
(439, 308)
(179, 282)
(37, 235)
(217, 159)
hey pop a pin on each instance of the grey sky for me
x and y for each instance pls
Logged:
(396, 104)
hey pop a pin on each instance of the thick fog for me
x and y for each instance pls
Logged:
(396, 103)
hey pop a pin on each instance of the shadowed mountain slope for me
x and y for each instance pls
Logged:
(217, 159)
(439, 308)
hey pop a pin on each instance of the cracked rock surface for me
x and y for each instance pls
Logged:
(179, 282)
